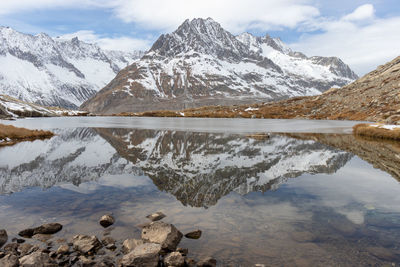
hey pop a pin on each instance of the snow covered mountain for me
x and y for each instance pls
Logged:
(197, 168)
(53, 71)
(203, 64)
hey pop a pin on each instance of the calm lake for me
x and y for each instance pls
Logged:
(309, 194)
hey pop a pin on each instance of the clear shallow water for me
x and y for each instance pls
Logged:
(309, 200)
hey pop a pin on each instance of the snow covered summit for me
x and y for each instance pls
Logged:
(53, 71)
(202, 64)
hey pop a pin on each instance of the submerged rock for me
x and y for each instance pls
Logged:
(130, 244)
(207, 262)
(3, 237)
(85, 244)
(107, 220)
(194, 235)
(174, 259)
(146, 255)
(162, 233)
(156, 216)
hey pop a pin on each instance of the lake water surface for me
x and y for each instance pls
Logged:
(290, 199)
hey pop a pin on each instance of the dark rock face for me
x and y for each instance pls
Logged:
(207, 262)
(203, 64)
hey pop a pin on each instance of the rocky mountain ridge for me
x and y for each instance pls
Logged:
(374, 97)
(203, 64)
(53, 71)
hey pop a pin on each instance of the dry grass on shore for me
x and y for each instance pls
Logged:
(10, 135)
(368, 130)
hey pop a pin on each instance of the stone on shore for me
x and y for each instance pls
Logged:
(156, 216)
(3, 237)
(174, 259)
(162, 233)
(107, 220)
(130, 244)
(146, 255)
(9, 260)
(37, 258)
(85, 244)
(207, 262)
(194, 235)
(63, 249)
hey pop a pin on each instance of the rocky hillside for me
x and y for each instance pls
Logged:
(374, 97)
(203, 64)
(14, 108)
(55, 72)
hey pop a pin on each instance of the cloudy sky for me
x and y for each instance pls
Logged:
(364, 34)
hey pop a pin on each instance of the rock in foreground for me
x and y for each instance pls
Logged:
(45, 229)
(85, 244)
(3, 237)
(107, 220)
(194, 235)
(162, 233)
(147, 254)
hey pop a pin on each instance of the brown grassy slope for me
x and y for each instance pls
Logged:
(374, 97)
(375, 132)
(9, 134)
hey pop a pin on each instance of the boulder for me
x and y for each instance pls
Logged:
(48, 229)
(85, 244)
(156, 216)
(3, 237)
(194, 235)
(145, 255)
(9, 260)
(207, 262)
(174, 259)
(107, 220)
(35, 259)
(45, 229)
(162, 233)
(11, 248)
(130, 244)
(25, 249)
(63, 249)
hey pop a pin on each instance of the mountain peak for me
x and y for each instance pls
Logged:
(204, 36)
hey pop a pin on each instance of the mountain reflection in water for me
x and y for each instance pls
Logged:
(342, 210)
(197, 168)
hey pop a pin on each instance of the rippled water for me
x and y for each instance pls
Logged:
(291, 199)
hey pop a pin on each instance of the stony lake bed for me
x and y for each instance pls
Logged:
(306, 193)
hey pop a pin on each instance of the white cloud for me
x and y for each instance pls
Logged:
(120, 43)
(9, 7)
(361, 13)
(235, 15)
(363, 45)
